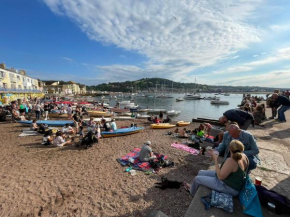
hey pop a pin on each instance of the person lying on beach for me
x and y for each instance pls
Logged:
(146, 153)
(229, 178)
(34, 125)
(67, 129)
(59, 140)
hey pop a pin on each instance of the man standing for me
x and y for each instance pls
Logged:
(244, 119)
(284, 102)
(250, 146)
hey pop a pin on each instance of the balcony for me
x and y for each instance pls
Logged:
(16, 90)
(13, 79)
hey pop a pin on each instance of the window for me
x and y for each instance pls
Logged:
(18, 77)
(5, 85)
(2, 74)
(19, 86)
(23, 79)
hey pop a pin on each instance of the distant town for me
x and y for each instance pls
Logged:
(13, 81)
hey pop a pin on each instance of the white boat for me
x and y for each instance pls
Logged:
(156, 110)
(123, 118)
(227, 94)
(124, 102)
(219, 102)
(179, 99)
(173, 112)
(142, 110)
(142, 116)
(125, 114)
(191, 96)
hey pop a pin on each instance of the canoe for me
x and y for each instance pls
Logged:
(162, 126)
(99, 114)
(55, 123)
(122, 132)
(182, 123)
(57, 115)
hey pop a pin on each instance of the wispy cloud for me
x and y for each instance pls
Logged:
(177, 37)
(231, 70)
(67, 59)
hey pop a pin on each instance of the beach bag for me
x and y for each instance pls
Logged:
(219, 200)
(249, 199)
(281, 203)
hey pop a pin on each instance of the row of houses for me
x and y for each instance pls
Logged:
(17, 81)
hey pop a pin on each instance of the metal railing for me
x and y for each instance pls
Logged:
(3, 89)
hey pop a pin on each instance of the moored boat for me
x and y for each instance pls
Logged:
(173, 112)
(99, 114)
(182, 123)
(219, 102)
(122, 132)
(162, 126)
(179, 99)
(50, 123)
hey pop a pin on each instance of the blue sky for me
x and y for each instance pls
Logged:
(229, 42)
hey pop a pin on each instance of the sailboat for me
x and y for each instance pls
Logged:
(193, 96)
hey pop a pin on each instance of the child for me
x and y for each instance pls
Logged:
(34, 126)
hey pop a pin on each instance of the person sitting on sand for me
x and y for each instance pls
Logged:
(67, 129)
(229, 178)
(59, 140)
(156, 120)
(47, 138)
(146, 153)
(207, 128)
(258, 115)
(113, 125)
(176, 130)
(106, 126)
(167, 120)
(34, 125)
(91, 125)
(182, 133)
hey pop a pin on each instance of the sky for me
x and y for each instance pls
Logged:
(228, 42)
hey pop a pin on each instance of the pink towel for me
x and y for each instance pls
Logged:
(185, 148)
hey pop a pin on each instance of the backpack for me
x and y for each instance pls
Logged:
(282, 203)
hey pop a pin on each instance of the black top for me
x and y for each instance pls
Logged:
(238, 116)
(282, 100)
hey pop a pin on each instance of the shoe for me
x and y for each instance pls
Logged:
(271, 117)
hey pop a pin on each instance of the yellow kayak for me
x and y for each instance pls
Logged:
(57, 115)
(99, 114)
(182, 123)
(162, 126)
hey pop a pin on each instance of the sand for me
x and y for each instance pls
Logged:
(68, 181)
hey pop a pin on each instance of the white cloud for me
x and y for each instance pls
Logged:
(235, 57)
(285, 27)
(255, 55)
(231, 70)
(280, 55)
(177, 37)
(67, 59)
(267, 79)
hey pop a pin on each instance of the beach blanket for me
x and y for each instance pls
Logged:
(185, 148)
(29, 133)
(137, 164)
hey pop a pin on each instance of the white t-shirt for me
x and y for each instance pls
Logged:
(58, 141)
(69, 110)
(66, 129)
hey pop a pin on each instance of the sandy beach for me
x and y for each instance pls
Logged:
(68, 181)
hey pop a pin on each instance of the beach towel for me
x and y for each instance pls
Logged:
(185, 148)
(29, 133)
(137, 164)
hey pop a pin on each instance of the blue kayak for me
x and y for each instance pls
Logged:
(54, 123)
(122, 132)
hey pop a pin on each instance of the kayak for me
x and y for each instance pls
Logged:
(99, 114)
(182, 123)
(98, 119)
(122, 132)
(55, 123)
(162, 126)
(57, 115)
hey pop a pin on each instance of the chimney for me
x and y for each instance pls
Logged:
(2, 66)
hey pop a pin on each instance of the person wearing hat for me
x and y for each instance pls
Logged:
(146, 153)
